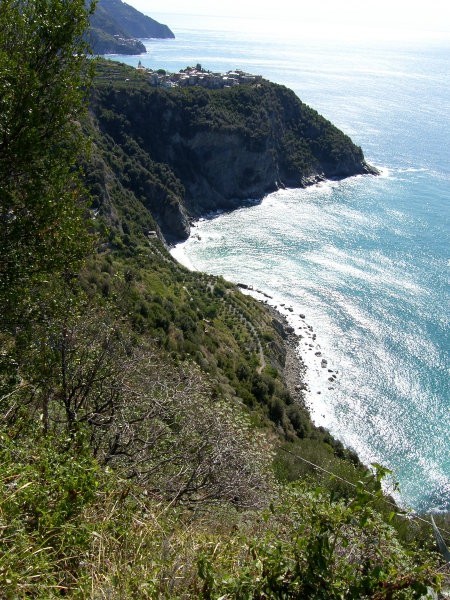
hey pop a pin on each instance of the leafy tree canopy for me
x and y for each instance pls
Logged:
(43, 82)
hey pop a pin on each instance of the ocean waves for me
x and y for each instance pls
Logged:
(366, 259)
(335, 253)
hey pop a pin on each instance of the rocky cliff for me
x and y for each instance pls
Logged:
(189, 151)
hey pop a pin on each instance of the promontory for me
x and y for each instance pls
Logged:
(188, 150)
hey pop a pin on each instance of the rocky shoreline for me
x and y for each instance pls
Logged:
(294, 367)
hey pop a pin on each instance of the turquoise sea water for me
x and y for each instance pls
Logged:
(367, 259)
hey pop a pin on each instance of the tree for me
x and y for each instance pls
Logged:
(151, 419)
(44, 77)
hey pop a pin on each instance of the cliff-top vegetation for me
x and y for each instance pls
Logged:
(148, 439)
(216, 147)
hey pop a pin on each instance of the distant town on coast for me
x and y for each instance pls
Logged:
(197, 76)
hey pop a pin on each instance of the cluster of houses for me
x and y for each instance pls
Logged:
(196, 76)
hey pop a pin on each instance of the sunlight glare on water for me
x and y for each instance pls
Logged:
(367, 259)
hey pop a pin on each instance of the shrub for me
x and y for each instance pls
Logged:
(45, 486)
(317, 549)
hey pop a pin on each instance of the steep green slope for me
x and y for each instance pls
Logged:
(235, 340)
(220, 146)
(141, 405)
(194, 316)
(115, 26)
(232, 338)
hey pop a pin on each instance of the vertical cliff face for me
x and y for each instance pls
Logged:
(188, 151)
(220, 171)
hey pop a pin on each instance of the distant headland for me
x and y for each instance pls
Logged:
(116, 28)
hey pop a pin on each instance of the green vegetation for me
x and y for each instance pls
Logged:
(148, 440)
(41, 95)
(199, 149)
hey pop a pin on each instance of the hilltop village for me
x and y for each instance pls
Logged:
(197, 76)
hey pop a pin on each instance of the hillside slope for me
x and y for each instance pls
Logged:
(143, 189)
(145, 173)
(221, 147)
(141, 404)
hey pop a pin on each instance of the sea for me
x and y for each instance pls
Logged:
(365, 261)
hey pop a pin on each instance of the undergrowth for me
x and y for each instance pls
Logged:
(70, 528)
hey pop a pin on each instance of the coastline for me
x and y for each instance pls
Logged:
(172, 239)
(302, 355)
(309, 383)
(296, 339)
(294, 367)
(299, 339)
(374, 134)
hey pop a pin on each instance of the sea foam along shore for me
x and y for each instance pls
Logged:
(295, 370)
(305, 367)
(307, 371)
(316, 374)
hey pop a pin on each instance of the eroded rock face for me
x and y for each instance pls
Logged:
(227, 172)
(174, 221)
(195, 150)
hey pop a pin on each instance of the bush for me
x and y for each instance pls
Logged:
(45, 486)
(317, 549)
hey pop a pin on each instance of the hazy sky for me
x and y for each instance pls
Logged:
(425, 15)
